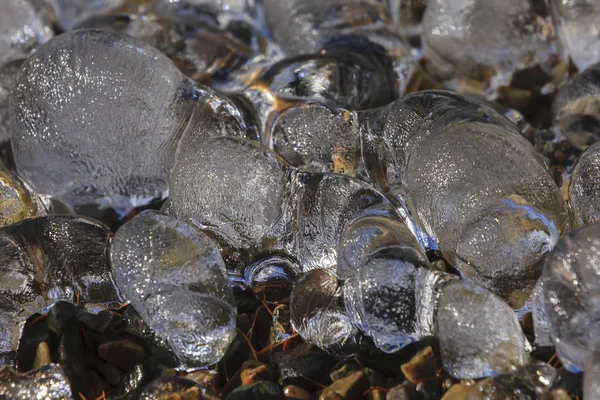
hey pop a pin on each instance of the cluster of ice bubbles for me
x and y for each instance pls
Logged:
(309, 170)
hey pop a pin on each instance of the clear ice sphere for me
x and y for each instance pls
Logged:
(487, 40)
(318, 313)
(22, 30)
(47, 259)
(571, 295)
(95, 119)
(576, 108)
(477, 166)
(578, 23)
(70, 12)
(479, 333)
(584, 188)
(175, 278)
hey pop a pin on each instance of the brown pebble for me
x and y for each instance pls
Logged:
(405, 391)
(122, 353)
(207, 378)
(558, 394)
(295, 393)
(349, 388)
(42, 356)
(252, 373)
(456, 392)
(421, 367)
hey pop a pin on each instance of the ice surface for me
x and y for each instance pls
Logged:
(8, 78)
(591, 377)
(584, 188)
(185, 8)
(95, 117)
(479, 333)
(70, 12)
(176, 280)
(462, 165)
(47, 259)
(486, 40)
(541, 324)
(577, 107)
(571, 295)
(578, 23)
(318, 313)
(276, 210)
(22, 30)
(51, 377)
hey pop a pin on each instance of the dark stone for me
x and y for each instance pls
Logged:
(97, 384)
(572, 383)
(33, 335)
(347, 369)
(261, 390)
(71, 359)
(61, 315)
(123, 354)
(303, 366)
(349, 388)
(431, 390)
(98, 322)
(131, 384)
(236, 354)
(110, 373)
(406, 391)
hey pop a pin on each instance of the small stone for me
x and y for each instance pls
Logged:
(303, 366)
(421, 367)
(98, 322)
(131, 382)
(97, 384)
(558, 394)
(110, 373)
(61, 315)
(345, 370)
(208, 378)
(172, 388)
(253, 372)
(351, 387)
(406, 391)
(261, 390)
(295, 393)
(456, 392)
(42, 356)
(123, 354)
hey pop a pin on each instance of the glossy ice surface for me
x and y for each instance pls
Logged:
(176, 280)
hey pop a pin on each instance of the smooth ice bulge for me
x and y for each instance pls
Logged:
(570, 295)
(95, 118)
(479, 333)
(584, 188)
(486, 40)
(489, 203)
(176, 280)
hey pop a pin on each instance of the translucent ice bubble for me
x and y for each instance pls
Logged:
(577, 108)
(47, 259)
(487, 192)
(22, 30)
(578, 23)
(95, 118)
(584, 188)
(479, 333)
(487, 41)
(571, 295)
(277, 210)
(318, 313)
(176, 280)
(389, 288)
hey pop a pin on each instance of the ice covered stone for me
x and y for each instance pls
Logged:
(190, 8)
(47, 259)
(479, 333)
(70, 12)
(578, 23)
(477, 185)
(95, 118)
(577, 108)
(584, 188)
(17, 202)
(487, 40)
(277, 210)
(22, 30)
(318, 313)
(176, 280)
(48, 382)
(571, 295)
